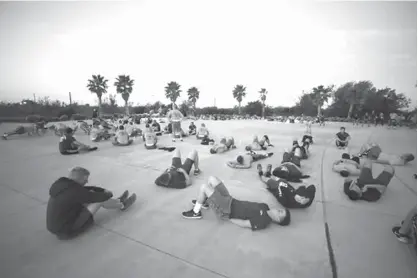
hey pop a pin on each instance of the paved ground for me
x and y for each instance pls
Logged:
(153, 240)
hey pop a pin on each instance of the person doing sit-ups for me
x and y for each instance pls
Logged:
(122, 138)
(258, 145)
(245, 161)
(69, 145)
(225, 144)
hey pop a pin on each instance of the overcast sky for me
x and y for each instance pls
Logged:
(52, 48)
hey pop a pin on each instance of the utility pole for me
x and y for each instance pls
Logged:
(71, 102)
(214, 102)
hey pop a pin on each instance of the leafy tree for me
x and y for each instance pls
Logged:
(193, 94)
(185, 107)
(320, 96)
(124, 86)
(239, 93)
(306, 106)
(356, 95)
(254, 108)
(98, 85)
(263, 96)
(172, 92)
(112, 100)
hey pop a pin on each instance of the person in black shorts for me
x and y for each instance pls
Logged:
(284, 192)
(244, 161)
(69, 145)
(71, 204)
(366, 187)
(177, 176)
(342, 138)
(253, 215)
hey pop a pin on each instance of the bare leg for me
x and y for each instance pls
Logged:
(177, 154)
(205, 192)
(109, 204)
(195, 157)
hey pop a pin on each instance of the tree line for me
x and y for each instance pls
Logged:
(347, 100)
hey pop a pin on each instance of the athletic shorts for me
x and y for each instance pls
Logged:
(186, 166)
(290, 157)
(81, 224)
(366, 177)
(220, 201)
(340, 144)
(152, 147)
(176, 126)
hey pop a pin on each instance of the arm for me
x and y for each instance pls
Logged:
(241, 223)
(95, 188)
(186, 176)
(235, 165)
(86, 196)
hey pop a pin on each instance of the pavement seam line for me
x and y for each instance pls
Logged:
(332, 260)
(24, 194)
(162, 251)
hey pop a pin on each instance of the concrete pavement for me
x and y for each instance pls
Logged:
(151, 239)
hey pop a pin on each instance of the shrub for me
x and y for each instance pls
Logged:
(63, 118)
(12, 119)
(34, 118)
(78, 117)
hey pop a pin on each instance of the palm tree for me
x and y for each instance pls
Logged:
(239, 93)
(193, 94)
(263, 93)
(320, 96)
(172, 92)
(98, 85)
(124, 86)
(356, 95)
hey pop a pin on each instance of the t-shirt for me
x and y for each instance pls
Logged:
(255, 212)
(66, 142)
(203, 131)
(342, 135)
(150, 138)
(94, 133)
(177, 180)
(156, 127)
(293, 170)
(122, 137)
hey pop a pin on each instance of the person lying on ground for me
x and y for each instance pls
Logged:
(98, 133)
(286, 194)
(302, 152)
(258, 145)
(72, 205)
(374, 152)
(69, 145)
(202, 132)
(192, 129)
(307, 138)
(245, 161)
(29, 129)
(150, 138)
(177, 176)
(84, 126)
(225, 144)
(366, 187)
(207, 141)
(122, 138)
(404, 231)
(60, 129)
(347, 165)
(156, 128)
(289, 169)
(253, 215)
(342, 138)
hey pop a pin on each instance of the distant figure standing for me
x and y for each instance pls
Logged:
(175, 117)
(95, 113)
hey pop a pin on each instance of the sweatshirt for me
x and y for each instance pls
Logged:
(66, 202)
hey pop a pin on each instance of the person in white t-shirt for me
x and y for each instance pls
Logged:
(150, 138)
(122, 138)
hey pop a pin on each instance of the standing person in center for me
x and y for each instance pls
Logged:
(175, 117)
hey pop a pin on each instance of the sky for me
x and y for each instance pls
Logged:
(287, 47)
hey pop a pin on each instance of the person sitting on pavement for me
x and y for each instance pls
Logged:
(122, 138)
(202, 132)
(366, 187)
(289, 168)
(132, 130)
(98, 133)
(69, 145)
(347, 165)
(252, 215)
(286, 194)
(342, 138)
(374, 152)
(192, 129)
(150, 138)
(245, 161)
(258, 145)
(225, 144)
(177, 176)
(72, 205)
(156, 127)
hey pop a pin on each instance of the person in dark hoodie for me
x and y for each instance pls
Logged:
(289, 169)
(284, 192)
(71, 204)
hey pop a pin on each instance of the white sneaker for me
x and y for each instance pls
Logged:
(181, 139)
(174, 140)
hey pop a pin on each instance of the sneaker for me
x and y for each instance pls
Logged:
(124, 196)
(270, 154)
(204, 206)
(233, 147)
(93, 149)
(192, 215)
(174, 140)
(196, 172)
(402, 238)
(4, 137)
(268, 170)
(181, 139)
(128, 202)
